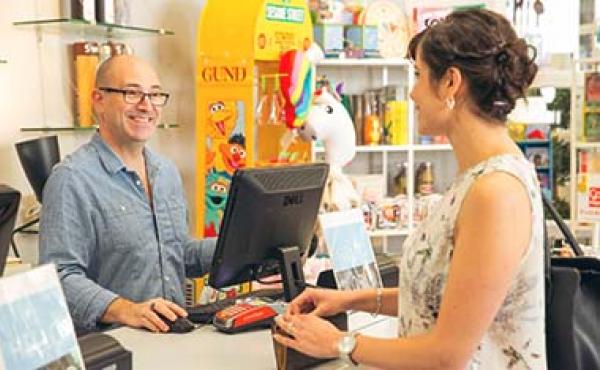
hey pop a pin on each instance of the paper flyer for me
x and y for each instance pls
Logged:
(36, 331)
(350, 250)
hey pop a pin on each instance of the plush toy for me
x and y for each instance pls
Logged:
(329, 122)
(297, 81)
(318, 115)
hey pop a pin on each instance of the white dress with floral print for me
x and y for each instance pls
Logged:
(516, 338)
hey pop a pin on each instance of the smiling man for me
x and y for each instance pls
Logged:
(114, 218)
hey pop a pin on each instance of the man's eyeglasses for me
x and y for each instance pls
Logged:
(157, 98)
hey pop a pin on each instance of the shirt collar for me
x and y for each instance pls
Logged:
(113, 163)
(110, 160)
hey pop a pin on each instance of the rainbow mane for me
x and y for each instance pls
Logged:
(297, 82)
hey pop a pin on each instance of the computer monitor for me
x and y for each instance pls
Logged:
(268, 224)
(9, 204)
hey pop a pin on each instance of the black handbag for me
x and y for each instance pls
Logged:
(572, 305)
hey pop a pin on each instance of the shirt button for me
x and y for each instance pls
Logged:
(167, 278)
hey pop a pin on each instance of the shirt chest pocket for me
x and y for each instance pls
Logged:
(176, 216)
(129, 228)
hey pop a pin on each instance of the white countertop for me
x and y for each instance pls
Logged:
(206, 348)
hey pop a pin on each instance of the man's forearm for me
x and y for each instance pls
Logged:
(87, 300)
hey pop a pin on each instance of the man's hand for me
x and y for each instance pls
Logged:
(144, 314)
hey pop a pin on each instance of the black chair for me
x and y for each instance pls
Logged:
(9, 205)
(37, 157)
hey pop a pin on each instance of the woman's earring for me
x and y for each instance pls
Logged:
(450, 103)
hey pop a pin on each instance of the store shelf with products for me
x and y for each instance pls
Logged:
(89, 29)
(388, 232)
(388, 80)
(395, 148)
(364, 62)
(585, 135)
(587, 145)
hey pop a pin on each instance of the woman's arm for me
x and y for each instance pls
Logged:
(327, 302)
(366, 300)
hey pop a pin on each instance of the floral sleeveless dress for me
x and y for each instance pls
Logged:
(516, 338)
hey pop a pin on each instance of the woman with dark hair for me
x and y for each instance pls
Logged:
(471, 287)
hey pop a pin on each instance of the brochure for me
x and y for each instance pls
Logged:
(350, 250)
(36, 330)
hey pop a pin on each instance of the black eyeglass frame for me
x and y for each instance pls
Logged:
(143, 95)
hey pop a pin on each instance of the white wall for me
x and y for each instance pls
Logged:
(35, 85)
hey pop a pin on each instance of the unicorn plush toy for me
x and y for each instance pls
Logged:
(318, 116)
(329, 122)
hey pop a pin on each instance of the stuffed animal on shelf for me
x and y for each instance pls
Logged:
(318, 115)
(329, 122)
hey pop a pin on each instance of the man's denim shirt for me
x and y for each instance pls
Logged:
(107, 240)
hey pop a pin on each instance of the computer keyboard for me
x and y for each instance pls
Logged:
(204, 313)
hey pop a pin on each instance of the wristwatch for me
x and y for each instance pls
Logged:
(346, 345)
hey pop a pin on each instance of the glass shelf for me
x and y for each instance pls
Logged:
(82, 129)
(67, 25)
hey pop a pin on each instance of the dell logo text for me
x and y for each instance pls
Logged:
(291, 200)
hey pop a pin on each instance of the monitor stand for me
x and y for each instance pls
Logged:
(292, 275)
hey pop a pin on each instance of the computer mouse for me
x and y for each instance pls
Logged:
(180, 325)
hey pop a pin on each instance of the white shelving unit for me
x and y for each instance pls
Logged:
(358, 76)
(580, 66)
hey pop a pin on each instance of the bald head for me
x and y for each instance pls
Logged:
(115, 71)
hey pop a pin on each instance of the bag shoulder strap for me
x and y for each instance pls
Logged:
(547, 249)
(562, 226)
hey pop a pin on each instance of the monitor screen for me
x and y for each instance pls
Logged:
(268, 224)
(9, 204)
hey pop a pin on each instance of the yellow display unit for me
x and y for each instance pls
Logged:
(238, 106)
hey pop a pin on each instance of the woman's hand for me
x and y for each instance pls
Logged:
(319, 302)
(308, 334)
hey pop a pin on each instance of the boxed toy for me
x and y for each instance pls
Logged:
(363, 37)
(330, 38)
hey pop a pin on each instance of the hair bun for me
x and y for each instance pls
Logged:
(482, 44)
